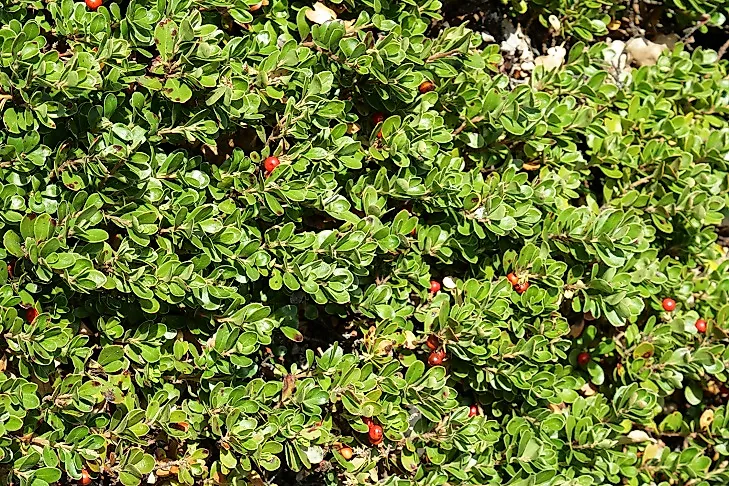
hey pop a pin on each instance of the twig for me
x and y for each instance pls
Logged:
(696, 27)
(463, 126)
(441, 55)
(640, 182)
(722, 50)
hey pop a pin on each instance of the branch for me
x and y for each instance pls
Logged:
(722, 50)
(463, 126)
(441, 55)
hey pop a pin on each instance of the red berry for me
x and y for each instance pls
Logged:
(434, 287)
(271, 163)
(30, 314)
(85, 477)
(426, 86)
(473, 410)
(375, 433)
(435, 358)
(583, 358)
(513, 279)
(669, 304)
(432, 342)
(521, 287)
(378, 118)
(10, 270)
(93, 5)
(367, 421)
(701, 326)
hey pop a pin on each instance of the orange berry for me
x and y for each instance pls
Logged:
(85, 477)
(346, 452)
(521, 287)
(513, 279)
(426, 86)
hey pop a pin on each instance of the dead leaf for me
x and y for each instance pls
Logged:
(384, 347)
(651, 452)
(320, 14)
(289, 383)
(636, 436)
(557, 407)
(410, 340)
(588, 390)
(706, 418)
(554, 58)
(256, 480)
(576, 329)
(554, 23)
(257, 6)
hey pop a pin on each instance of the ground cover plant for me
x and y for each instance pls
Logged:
(278, 242)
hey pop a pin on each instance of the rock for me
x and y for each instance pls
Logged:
(643, 52)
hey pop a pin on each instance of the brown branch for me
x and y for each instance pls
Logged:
(441, 55)
(640, 182)
(463, 126)
(722, 50)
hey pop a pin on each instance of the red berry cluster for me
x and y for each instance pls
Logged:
(437, 355)
(520, 287)
(375, 434)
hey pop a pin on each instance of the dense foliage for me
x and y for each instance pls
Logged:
(252, 243)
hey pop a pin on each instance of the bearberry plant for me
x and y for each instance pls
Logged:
(278, 242)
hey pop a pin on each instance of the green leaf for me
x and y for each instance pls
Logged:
(165, 35)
